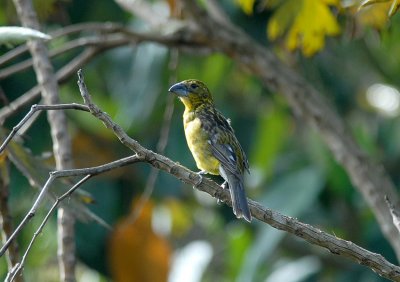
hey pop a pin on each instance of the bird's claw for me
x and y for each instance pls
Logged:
(224, 186)
(200, 173)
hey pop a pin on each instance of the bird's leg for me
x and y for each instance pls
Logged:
(224, 186)
(200, 173)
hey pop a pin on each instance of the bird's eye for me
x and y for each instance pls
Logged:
(193, 85)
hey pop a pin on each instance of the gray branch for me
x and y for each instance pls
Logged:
(309, 233)
(369, 177)
(59, 133)
(335, 245)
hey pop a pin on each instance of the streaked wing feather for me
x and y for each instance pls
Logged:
(225, 154)
(221, 133)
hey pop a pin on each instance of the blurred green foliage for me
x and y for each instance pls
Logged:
(292, 171)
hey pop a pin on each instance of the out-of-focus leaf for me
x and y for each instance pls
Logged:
(181, 217)
(272, 131)
(92, 150)
(366, 3)
(303, 187)
(137, 253)
(4, 171)
(37, 173)
(212, 70)
(366, 139)
(336, 177)
(198, 253)
(306, 23)
(295, 271)
(374, 14)
(215, 67)
(394, 5)
(45, 8)
(136, 84)
(16, 34)
(239, 239)
(246, 5)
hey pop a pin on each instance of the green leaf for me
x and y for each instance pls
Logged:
(272, 131)
(246, 5)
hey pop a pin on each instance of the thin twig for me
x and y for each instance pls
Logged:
(187, 42)
(36, 108)
(21, 264)
(12, 256)
(92, 41)
(95, 170)
(67, 173)
(29, 215)
(62, 76)
(92, 27)
(106, 119)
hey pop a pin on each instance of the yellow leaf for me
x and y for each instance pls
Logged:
(366, 3)
(4, 169)
(282, 18)
(181, 220)
(306, 23)
(375, 15)
(246, 5)
(394, 6)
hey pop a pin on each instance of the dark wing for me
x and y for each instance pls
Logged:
(226, 148)
(225, 154)
(224, 145)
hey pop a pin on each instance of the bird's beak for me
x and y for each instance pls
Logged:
(179, 89)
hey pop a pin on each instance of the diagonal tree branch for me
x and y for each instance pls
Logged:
(92, 171)
(369, 177)
(307, 103)
(309, 233)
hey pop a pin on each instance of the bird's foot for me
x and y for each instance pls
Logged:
(200, 173)
(224, 186)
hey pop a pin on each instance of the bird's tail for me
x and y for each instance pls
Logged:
(238, 196)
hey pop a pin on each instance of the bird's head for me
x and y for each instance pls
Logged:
(193, 93)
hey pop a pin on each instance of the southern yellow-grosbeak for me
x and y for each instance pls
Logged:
(212, 141)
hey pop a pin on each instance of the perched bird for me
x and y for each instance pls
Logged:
(212, 141)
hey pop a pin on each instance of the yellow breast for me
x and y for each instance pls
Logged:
(197, 140)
